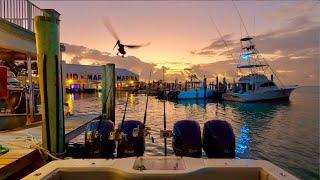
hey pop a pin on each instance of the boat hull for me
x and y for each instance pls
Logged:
(169, 167)
(196, 94)
(13, 121)
(271, 95)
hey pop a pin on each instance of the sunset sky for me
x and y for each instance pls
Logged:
(181, 33)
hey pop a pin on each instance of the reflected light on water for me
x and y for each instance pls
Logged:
(282, 133)
(70, 101)
(242, 145)
(131, 99)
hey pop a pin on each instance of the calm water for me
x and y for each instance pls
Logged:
(286, 134)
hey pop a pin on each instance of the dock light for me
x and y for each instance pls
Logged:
(245, 57)
(70, 81)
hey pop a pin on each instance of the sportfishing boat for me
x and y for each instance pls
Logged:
(13, 103)
(160, 168)
(255, 85)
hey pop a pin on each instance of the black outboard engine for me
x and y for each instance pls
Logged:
(131, 146)
(218, 139)
(97, 142)
(187, 139)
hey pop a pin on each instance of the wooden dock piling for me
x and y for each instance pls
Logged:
(49, 67)
(205, 87)
(108, 91)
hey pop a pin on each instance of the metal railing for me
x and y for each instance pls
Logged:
(20, 12)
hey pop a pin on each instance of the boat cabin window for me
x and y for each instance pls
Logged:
(271, 84)
(243, 87)
(268, 84)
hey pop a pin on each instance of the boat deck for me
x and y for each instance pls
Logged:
(21, 154)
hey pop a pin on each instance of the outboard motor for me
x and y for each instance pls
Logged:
(131, 146)
(218, 139)
(187, 139)
(97, 141)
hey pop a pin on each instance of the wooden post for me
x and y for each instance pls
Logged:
(108, 91)
(217, 83)
(64, 77)
(49, 68)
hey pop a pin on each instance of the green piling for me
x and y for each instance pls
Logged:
(108, 90)
(49, 68)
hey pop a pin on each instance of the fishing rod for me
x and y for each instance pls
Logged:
(164, 116)
(124, 114)
(101, 117)
(146, 108)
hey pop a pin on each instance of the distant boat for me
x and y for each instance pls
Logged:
(196, 91)
(16, 105)
(255, 86)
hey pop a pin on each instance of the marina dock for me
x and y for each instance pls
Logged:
(72, 112)
(22, 153)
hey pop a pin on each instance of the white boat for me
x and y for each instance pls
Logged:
(195, 89)
(171, 167)
(255, 86)
(196, 93)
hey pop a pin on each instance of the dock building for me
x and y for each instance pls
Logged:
(88, 78)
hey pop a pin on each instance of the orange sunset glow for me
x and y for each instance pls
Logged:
(181, 34)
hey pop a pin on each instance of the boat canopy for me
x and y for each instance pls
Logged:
(247, 38)
(250, 65)
(253, 77)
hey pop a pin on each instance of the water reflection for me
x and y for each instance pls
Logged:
(197, 103)
(253, 120)
(284, 133)
(243, 142)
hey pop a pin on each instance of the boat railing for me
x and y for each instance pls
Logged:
(20, 13)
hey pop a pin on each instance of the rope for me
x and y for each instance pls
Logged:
(3, 149)
(33, 144)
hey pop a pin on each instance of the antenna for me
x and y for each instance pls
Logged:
(240, 30)
(254, 25)
(240, 17)
(224, 42)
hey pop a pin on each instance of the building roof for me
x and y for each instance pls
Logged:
(78, 68)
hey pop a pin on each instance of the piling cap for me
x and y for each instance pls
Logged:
(51, 13)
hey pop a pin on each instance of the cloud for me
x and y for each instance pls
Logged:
(292, 51)
(298, 8)
(80, 54)
(219, 43)
(217, 47)
(299, 38)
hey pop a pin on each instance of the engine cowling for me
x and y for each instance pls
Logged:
(187, 139)
(218, 139)
(131, 146)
